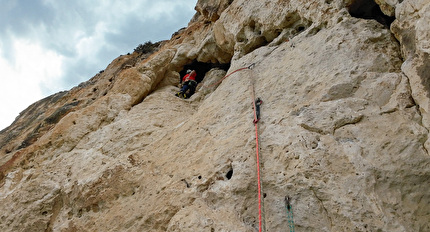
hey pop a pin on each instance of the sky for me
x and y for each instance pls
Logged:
(48, 46)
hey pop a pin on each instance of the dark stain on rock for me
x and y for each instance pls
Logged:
(408, 40)
(424, 73)
(61, 112)
(43, 127)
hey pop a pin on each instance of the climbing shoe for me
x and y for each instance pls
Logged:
(179, 94)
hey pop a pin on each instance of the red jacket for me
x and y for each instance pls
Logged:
(190, 77)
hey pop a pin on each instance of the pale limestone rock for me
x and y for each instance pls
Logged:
(342, 132)
(388, 6)
(411, 28)
(133, 83)
(211, 10)
(212, 79)
(326, 117)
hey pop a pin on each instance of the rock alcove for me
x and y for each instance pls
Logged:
(202, 68)
(368, 9)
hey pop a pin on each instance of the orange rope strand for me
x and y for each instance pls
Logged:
(260, 221)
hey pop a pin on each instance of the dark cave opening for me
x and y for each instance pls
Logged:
(202, 68)
(368, 9)
(229, 174)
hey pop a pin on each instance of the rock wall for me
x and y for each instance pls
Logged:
(343, 130)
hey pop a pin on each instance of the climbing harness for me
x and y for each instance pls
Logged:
(289, 214)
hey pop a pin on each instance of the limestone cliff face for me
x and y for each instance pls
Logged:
(344, 129)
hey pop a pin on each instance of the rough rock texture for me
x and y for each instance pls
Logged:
(412, 29)
(344, 128)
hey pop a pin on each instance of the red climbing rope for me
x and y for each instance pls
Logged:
(218, 82)
(258, 177)
(259, 187)
(256, 104)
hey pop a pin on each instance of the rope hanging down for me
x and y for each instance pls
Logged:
(289, 214)
(256, 119)
(256, 103)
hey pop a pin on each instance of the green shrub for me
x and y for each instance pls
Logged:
(147, 47)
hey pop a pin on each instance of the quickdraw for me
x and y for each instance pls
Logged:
(289, 213)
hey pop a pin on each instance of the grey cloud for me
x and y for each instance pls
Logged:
(55, 24)
(135, 32)
(17, 19)
(50, 25)
(21, 17)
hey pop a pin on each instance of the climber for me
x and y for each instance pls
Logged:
(188, 85)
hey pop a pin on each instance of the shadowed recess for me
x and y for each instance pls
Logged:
(368, 9)
(202, 68)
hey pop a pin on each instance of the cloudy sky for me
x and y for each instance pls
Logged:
(47, 46)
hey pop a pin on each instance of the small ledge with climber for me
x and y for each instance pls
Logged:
(194, 73)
